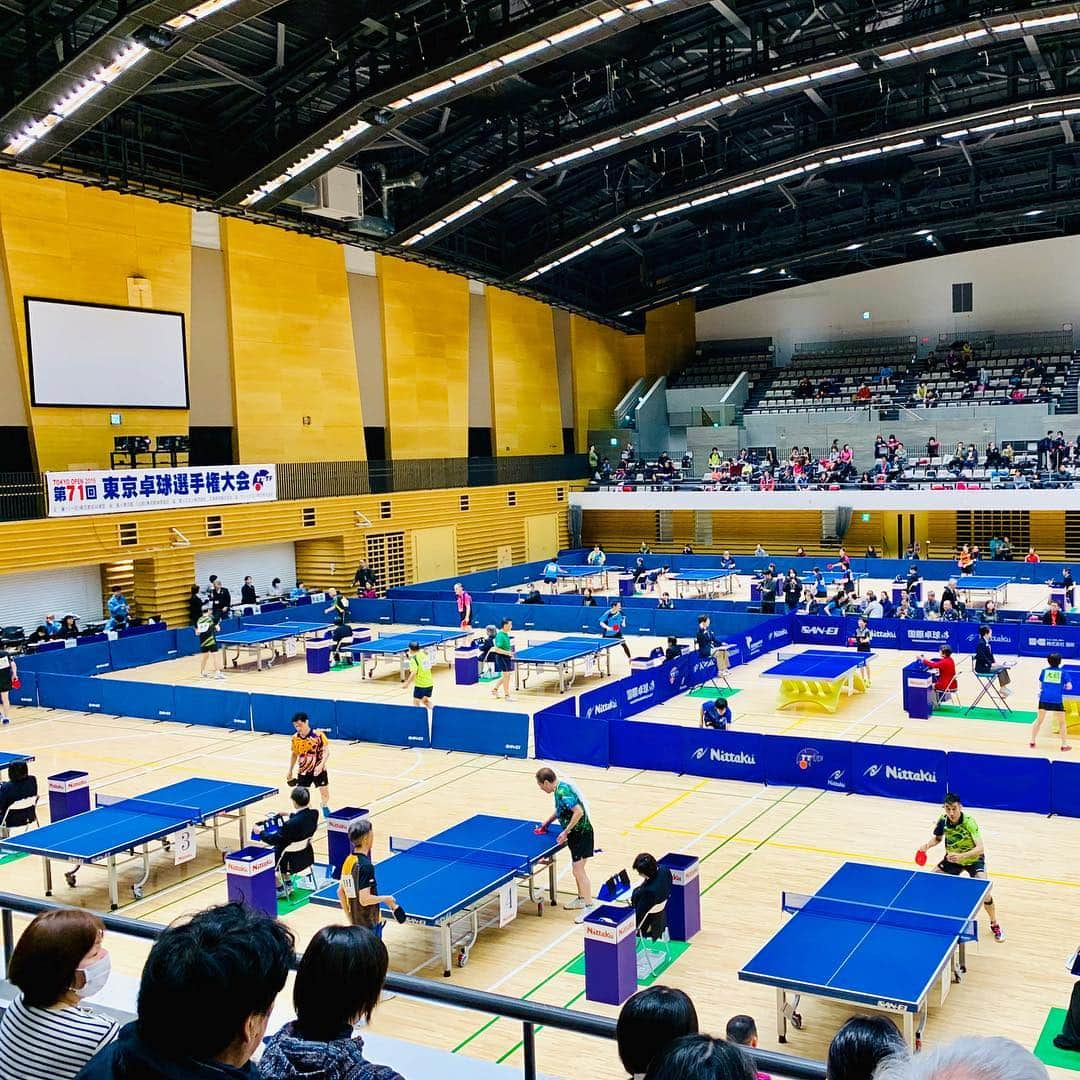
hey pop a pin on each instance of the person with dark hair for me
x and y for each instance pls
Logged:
(419, 673)
(700, 1057)
(987, 664)
(18, 786)
(611, 625)
(247, 592)
(655, 888)
(650, 1020)
(337, 985)
(577, 833)
(358, 893)
(300, 825)
(341, 632)
(119, 612)
(859, 1046)
(195, 604)
(9, 672)
(1052, 682)
(742, 1030)
(310, 751)
(46, 1030)
(205, 997)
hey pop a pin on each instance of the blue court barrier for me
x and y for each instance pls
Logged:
(129, 652)
(416, 612)
(187, 642)
(559, 735)
(604, 701)
(480, 731)
(207, 706)
(1065, 788)
(792, 761)
(371, 611)
(272, 713)
(1001, 783)
(722, 755)
(899, 772)
(79, 693)
(89, 659)
(148, 701)
(376, 722)
(1039, 640)
(27, 694)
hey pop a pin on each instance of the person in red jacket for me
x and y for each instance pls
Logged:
(1032, 555)
(945, 667)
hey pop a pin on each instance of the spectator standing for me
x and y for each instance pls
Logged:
(861, 1045)
(205, 997)
(118, 610)
(338, 983)
(247, 591)
(933, 447)
(220, 599)
(195, 605)
(46, 1031)
(596, 556)
(648, 1022)
(364, 580)
(1006, 549)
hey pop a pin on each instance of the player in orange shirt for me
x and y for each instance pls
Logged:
(307, 765)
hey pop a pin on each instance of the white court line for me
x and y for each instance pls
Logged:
(720, 821)
(862, 719)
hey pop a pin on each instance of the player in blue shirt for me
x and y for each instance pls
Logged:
(118, 610)
(1052, 680)
(551, 573)
(597, 556)
(612, 622)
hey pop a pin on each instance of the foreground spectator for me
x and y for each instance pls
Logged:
(207, 989)
(701, 1057)
(860, 1045)
(743, 1031)
(45, 1031)
(337, 985)
(966, 1058)
(649, 1021)
(20, 785)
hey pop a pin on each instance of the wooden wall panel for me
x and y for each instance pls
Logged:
(290, 331)
(670, 337)
(425, 334)
(70, 242)
(604, 364)
(525, 411)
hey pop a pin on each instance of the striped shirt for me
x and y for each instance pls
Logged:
(55, 1042)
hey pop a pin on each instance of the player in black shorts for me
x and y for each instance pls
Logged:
(307, 765)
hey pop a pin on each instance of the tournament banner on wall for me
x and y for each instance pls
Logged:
(127, 491)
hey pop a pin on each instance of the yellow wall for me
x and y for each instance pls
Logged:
(604, 363)
(670, 337)
(425, 332)
(70, 242)
(525, 412)
(290, 333)
(163, 573)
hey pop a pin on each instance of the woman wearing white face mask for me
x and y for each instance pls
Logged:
(46, 1031)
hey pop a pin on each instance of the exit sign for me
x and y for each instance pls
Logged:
(865, 517)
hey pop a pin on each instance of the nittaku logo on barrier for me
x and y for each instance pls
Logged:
(724, 756)
(914, 776)
(819, 631)
(776, 635)
(600, 708)
(837, 778)
(885, 635)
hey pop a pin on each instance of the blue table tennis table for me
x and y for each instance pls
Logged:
(819, 676)
(834, 577)
(7, 760)
(874, 937)
(396, 647)
(120, 824)
(583, 577)
(443, 882)
(702, 582)
(562, 657)
(268, 637)
(996, 588)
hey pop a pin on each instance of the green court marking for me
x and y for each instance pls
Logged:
(296, 899)
(674, 950)
(15, 856)
(713, 692)
(490, 678)
(536, 1031)
(1047, 1052)
(958, 712)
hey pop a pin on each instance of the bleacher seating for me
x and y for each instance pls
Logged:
(843, 368)
(1040, 378)
(712, 366)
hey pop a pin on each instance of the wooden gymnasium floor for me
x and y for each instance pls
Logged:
(753, 841)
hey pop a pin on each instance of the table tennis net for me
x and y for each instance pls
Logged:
(431, 849)
(879, 915)
(150, 807)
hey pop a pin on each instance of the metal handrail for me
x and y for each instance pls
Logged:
(530, 1013)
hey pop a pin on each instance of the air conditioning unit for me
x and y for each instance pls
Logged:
(336, 194)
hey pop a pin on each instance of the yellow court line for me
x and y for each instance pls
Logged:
(792, 727)
(669, 805)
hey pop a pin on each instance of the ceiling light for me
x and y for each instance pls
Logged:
(921, 232)
(696, 288)
(898, 54)
(1033, 213)
(783, 271)
(756, 270)
(828, 73)
(786, 84)
(1050, 20)
(1006, 28)
(853, 247)
(624, 314)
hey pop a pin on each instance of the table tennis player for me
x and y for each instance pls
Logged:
(577, 833)
(358, 892)
(310, 751)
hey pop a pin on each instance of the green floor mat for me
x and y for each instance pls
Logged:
(1047, 1052)
(286, 905)
(959, 712)
(13, 857)
(712, 692)
(675, 949)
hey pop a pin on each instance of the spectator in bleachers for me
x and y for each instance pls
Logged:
(46, 1031)
(862, 395)
(805, 389)
(767, 483)
(648, 1021)
(860, 1045)
(933, 447)
(338, 983)
(714, 458)
(931, 398)
(700, 1057)
(1045, 448)
(967, 1058)
(1017, 395)
(1054, 616)
(68, 629)
(205, 997)
(1057, 452)
(993, 457)
(885, 375)
(846, 454)
(931, 605)
(988, 613)
(920, 394)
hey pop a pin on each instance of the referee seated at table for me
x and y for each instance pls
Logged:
(300, 825)
(20, 785)
(654, 890)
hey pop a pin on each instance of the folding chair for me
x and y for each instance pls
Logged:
(653, 929)
(989, 689)
(20, 815)
(285, 876)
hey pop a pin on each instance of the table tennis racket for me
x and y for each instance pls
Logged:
(399, 914)
(539, 830)
(920, 858)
